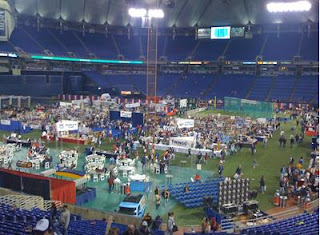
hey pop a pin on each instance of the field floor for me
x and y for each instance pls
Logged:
(269, 161)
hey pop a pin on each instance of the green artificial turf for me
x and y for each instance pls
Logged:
(269, 161)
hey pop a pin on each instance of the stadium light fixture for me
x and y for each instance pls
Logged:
(137, 12)
(155, 13)
(142, 12)
(289, 6)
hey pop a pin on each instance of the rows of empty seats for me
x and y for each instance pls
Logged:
(40, 85)
(194, 198)
(303, 224)
(282, 88)
(307, 89)
(231, 85)
(261, 88)
(18, 221)
(271, 46)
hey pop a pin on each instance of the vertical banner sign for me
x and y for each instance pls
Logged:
(2, 23)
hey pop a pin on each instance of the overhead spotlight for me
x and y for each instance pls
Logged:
(137, 12)
(155, 13)
(289, 6)
(142, 12)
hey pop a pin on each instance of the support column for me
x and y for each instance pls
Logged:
(152, 62)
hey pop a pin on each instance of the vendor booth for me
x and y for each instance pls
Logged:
(126, 116)
(67, 132)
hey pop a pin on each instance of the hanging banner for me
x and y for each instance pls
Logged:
(65, 104)
(133, 105)
(125, 114)
(185, 123)
(183, 103)
(66, 125)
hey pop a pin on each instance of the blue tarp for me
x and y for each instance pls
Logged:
(85, 197)
(14, 126)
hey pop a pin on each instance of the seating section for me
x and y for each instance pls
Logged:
(307, 89)
(44, 38)
(210, 49)
(35, 85)
(244, 49)
(282, 88)
(194, 198)
(17, 222)
(180, 47)
(215, 233)
(310, 47)
(283, 48)
(19, 38)
(71, 42)
(231, 85)
(100, 45)
(129, 48)
(303, 224)
(261, 88)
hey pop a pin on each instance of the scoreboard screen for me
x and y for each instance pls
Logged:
(220, 32)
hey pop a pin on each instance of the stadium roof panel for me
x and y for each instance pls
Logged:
(184, 13)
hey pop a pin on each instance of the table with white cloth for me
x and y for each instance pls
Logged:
(125, 162)
(137, 177)
(126, 169)
(179, 149)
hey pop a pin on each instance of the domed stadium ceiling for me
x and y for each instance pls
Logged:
(181, 13)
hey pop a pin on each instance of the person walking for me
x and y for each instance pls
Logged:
(204, 225)
(291, 140)
(254, 163)
(262, 185)
(170, 223)
(158, 201)
(220, 170)
(65, 219)
(110, 183)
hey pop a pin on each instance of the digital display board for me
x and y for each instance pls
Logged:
(86, 60)
(220, 32)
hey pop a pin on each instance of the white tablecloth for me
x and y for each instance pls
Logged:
(138, 177)
(185, 150)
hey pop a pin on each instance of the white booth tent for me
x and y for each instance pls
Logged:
(15, 101)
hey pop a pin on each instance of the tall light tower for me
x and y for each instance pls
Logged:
(149, 21)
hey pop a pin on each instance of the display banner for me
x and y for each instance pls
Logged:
(5, 122)
(183, 103)
(185, 123)
(66, 125)
(134, 105)
(125, 114)
(182, 141)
